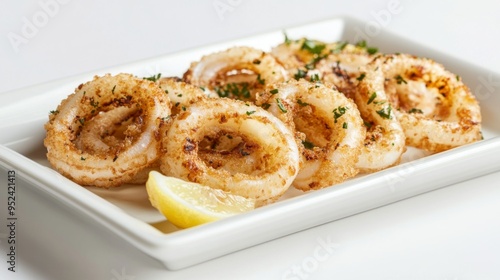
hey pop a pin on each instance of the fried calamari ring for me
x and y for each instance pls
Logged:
(238, 72)
(118, 164)
(261, 142)
(436, 110)
(385, 138)
(332, 128)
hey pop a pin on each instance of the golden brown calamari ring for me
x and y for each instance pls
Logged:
(385, 138)
(237, 72)
(140, 146)
(264, 143)
(332, 129)
(435, 108)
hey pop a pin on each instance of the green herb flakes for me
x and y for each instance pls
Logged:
(385, 112)
(308, 145)
(281, 106)
(153, 78)
(372, 97)
(339, 112)
(312, 46)
(400, 80)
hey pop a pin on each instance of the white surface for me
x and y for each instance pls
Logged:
(452, 233)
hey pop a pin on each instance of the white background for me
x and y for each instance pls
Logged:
(449, 234)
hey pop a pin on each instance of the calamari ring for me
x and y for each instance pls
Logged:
(238, 72)
(435, 108)
(385, 138)
(264, 139)
(332, 127)
(139, 149)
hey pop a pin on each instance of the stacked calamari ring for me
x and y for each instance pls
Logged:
(264, 143)
(436, 110)
(332, 129)
(238, 72)
(140, 146)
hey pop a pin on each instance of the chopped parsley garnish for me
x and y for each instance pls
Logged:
(308, 145)
(415, 110)
(81, 120)
(372, 97)
(344, 125)
(458, 78)
(280, 105)
(312, 46)
(54, 112)
(202, 88)
(287, 40)
(315, 78)
(385, 112)
(250, 112)
(400, 80)
(339, 47)
(300, 74)
(93, 103)
(314, 61)
(361, 77)
(256, 61)
(166, 118)
(260, 80)
(153, 78)
(113, 90)
(367, 124)
(166, 91)
(183, 108)
(361, 44)
(233, 89)
(372, 50)
(82, 158)
(339, 112)
(369, 50)
(265, 106)
(302, 103)
(179, 95)
(274, 91)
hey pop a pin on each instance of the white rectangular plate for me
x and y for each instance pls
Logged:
(127, 213)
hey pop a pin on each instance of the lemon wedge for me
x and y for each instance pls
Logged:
(186, 204)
